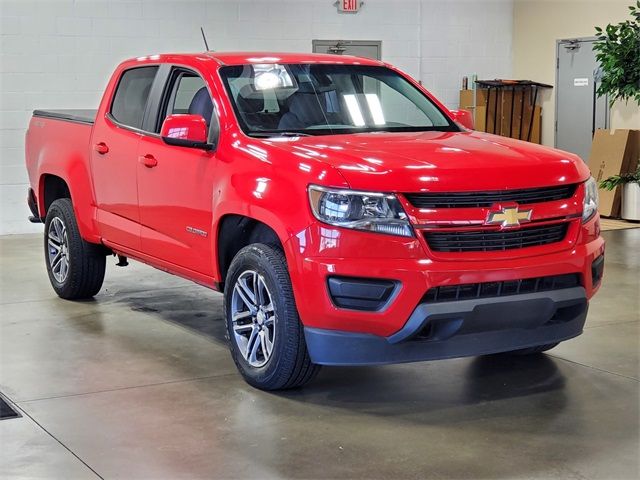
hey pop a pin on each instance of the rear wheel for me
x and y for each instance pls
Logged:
(265, 335)
(76, 268)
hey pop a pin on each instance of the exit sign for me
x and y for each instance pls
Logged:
(349, 6)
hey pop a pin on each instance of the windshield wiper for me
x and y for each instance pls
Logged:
(279, 134)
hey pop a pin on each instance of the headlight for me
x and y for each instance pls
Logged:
(590, 199)
(373, 212)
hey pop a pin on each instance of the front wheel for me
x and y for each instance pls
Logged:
(75, 267)
(265, 335)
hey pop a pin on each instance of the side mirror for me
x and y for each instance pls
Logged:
(463, 117)
(185, 131)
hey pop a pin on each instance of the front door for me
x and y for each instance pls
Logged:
(579, 111)
(114, 164)
(176, 195)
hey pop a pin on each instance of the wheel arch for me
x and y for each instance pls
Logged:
(52, 187)
(69, 180)
(236, 231)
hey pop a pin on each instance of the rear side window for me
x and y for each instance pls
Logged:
(130, 99)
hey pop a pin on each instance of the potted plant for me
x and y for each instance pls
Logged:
(630, 183)
(617, 49)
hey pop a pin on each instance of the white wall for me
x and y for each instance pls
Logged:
(60, 53)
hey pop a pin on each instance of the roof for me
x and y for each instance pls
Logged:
(242, 58)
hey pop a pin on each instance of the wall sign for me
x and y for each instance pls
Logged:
(580, 82)
(349, 6)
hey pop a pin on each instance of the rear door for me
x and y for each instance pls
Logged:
(176, 195)
(114, 163)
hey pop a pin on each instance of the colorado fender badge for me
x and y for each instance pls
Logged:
(196, 231)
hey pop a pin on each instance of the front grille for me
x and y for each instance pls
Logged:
(489, 198)
(500, 289)
(491, 240)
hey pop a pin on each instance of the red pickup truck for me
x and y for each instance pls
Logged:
(346, 215)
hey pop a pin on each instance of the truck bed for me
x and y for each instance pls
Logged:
(70, 115)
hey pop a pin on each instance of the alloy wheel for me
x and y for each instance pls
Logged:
(253, 318)
(58, 249)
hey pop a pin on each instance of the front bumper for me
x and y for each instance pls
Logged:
(320, 253)
(459, 328)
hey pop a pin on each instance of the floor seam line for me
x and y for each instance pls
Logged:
(594, 368)
(26, 414)
(169, 382)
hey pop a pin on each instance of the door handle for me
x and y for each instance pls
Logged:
(148, 160)
(101, 148)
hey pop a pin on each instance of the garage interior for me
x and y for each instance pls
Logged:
(138, 383)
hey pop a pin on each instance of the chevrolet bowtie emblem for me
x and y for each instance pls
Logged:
(509, 217)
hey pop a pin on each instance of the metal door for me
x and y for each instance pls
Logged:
(359, 48)
(579, 112)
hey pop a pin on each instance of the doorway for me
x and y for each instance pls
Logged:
(359, 48)
(579, 111)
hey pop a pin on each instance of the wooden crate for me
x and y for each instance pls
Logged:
(506, 125)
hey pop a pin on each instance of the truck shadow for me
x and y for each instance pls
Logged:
(429, 384)
(194, 308)
(439, 384)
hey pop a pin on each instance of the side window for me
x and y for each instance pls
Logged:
(186, 93)
(130, 99)
(186, 88)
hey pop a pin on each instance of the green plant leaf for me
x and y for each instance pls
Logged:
(617, 50)
(616, 180)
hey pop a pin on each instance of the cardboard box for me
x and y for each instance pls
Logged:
(466, 103)
(466, 98)
(613, 152)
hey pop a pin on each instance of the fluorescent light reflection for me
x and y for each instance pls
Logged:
(375, 108)
(354, 110)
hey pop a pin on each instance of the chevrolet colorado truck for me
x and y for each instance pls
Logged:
(346, 215)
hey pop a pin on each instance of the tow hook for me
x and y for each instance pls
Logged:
(122, 261)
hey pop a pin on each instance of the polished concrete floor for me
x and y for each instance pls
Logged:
(138, 383)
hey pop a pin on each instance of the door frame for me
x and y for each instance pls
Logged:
(370, 43)
(607, 115)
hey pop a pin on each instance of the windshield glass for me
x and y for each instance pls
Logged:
(316, 99)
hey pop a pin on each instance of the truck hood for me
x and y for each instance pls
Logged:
(438, 161)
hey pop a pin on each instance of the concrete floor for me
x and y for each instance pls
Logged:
(138, 383)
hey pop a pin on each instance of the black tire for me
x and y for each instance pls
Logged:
(289, 364)
(86, 261)
(534, 350)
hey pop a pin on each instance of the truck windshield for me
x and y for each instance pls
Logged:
(320, 99)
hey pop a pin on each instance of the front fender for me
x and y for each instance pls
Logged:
(263, 184)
